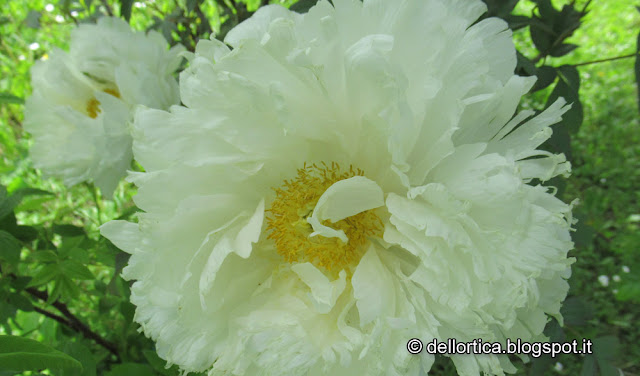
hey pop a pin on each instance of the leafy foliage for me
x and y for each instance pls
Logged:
(67, 308)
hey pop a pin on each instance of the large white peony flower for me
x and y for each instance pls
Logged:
(341, 182)
(83, 100)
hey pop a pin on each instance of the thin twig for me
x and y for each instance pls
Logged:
(52, 315)
(71, 321)
(607, 59)
(106, 5)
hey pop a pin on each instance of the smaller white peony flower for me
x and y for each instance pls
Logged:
(625, 269)
(83, 100)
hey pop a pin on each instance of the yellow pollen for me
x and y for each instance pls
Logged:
(93, 105)
(294, 203)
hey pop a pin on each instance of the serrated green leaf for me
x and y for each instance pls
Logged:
(69, 243)
(9, 248)
(75, 270)
(542, 34)
(546, 9)
(46, 274)
(22, 354)
(10, 98)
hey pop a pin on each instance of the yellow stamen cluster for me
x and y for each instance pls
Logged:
(294, 203)
(93, 106)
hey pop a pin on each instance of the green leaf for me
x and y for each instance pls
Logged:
(605, 350)
(68, 230)
(128, 369)
(9, 248)
(125, 9)
(10, 98)
(46, 274)
(63, 287)
(44, 256)
(25, 233)
(525, 66)
(629, 291)
(303, 6)
(542, 35)
(500, 8)
(589, 366)
(20, 302)
(158, 364)
(19, 283)
(80, 352)
(517, 22)
(75, 270)
(546, 75)
(8, 203)
(22, 354)
(562, 49)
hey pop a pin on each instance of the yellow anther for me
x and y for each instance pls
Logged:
(93, 105)
(289, 229)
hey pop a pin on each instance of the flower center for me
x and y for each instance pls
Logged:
(294, 236)
(93, 105)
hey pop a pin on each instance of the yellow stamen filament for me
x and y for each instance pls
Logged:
(294, 203)
(93, 105)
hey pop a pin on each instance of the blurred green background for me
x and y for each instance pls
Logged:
(604, 298)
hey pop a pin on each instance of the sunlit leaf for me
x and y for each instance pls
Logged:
(23, 354)
(10, 98)
(75, 270)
